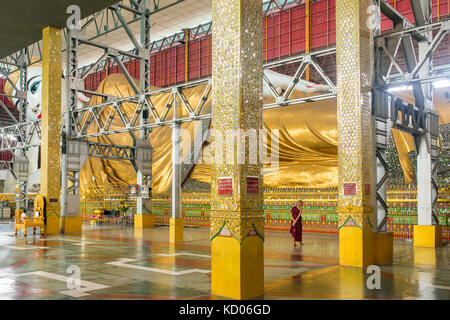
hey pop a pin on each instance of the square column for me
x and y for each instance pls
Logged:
(356, 152)
(144, 217)
(143, 163)
(427, 232)
(71, 155)
(51, 127)
(237, 221)
(176, 221)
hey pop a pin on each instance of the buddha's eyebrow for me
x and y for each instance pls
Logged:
(28, 82)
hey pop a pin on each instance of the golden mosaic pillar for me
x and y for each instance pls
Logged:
(356, 153)
(51, 126)
(237, 222)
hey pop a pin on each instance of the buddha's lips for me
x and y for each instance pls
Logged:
(82, 100)
(39, 116)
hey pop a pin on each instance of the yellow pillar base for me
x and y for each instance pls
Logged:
(351, 283)
(176, 230)
(427, 236)
(383, 247)
(144, 221)
(52, 225)
(237, 270)
(72, 224)
(355, 247)
(425, 256)
(138, 233)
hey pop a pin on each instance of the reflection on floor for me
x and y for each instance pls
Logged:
(121, 263)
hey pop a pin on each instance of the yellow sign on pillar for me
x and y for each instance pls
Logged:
(356, 153)
(51, 126)
(237, 222)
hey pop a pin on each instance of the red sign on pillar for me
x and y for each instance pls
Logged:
(367, 189)
(225, 186)
(252, 185)
(349, 189)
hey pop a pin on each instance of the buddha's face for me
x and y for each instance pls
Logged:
(34, 94)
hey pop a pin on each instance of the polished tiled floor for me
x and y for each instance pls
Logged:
(119, 263)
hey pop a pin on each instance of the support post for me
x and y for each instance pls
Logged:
(23, 86)
(71, 221)
(427, 233)
(21, 174)
(139, 181)
(356, 152)
(21, 163)
(176, 222)
(383, 250)
(51, 127)
(381, 172)
(237, 221)
(383, 245)
(307, 34)
(63, 180)
(187, 38)
(144, 217)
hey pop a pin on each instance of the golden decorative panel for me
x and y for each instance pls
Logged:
(355, 128)
(51, 125)
(237, 104)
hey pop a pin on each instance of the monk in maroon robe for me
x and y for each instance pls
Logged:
(296, 222)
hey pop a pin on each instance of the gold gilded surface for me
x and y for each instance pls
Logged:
(307, 149)
(355, 128)
(51, 121)
(237, 104)
(308, 152)
(404, 143)
(98, 174)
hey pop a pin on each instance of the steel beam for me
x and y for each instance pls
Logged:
(111, 151)
(90, 116)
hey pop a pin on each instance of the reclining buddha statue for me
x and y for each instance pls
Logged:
(32, 113)
(307, 139)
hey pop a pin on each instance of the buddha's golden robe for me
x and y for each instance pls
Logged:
(307, 145)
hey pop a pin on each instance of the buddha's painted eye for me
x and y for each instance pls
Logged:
(35, 86)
